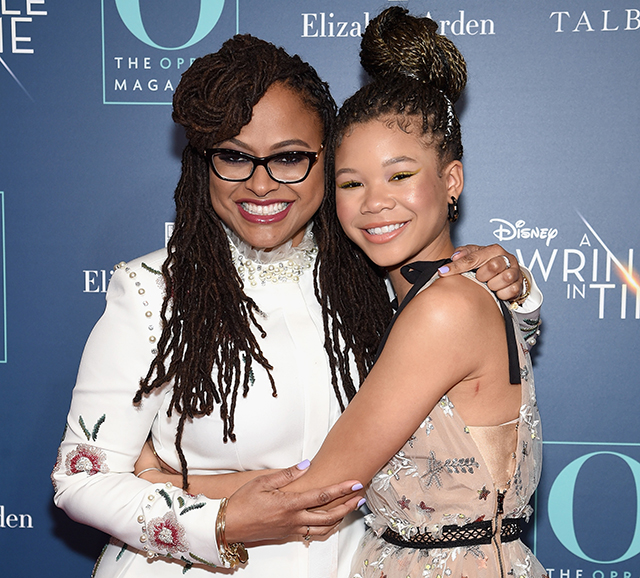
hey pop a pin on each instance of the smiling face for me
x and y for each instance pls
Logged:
(392, 195)
(262, 212)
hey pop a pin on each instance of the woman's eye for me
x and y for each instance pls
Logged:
(402, 175)
(289, 160)
(231, 159)
(350, 185)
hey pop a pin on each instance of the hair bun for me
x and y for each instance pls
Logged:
(397, 43)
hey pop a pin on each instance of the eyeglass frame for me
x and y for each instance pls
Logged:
(263, 162)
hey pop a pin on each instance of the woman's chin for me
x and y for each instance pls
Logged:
(269, 240)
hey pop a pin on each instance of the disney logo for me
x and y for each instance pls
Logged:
(507, 231)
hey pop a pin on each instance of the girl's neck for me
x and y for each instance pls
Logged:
(400, 285)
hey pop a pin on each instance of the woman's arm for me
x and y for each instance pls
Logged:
(105, 432)
(282, 514)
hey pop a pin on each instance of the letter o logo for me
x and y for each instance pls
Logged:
(561, 507)
(210, 11)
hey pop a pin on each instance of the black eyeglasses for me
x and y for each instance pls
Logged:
(287, 167)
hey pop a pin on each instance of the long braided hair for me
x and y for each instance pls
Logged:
(207, 346)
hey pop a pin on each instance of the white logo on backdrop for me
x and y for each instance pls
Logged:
(332, 25)
(15, 22)
(97, 280)
(13, 521)
(596, 20)
(507, 231)
(591, 270)
(139, 69)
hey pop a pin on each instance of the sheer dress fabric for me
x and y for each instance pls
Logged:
(443, 476)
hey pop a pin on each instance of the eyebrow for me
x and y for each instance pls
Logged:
(387, 163)
(344, 171)
(395, 160)
(275, 146)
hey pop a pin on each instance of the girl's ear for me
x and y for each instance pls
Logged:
(454, 178)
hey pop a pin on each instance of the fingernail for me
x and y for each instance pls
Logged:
(362, 502)
(356, 487)
(456, 253)
(303, 465)
(443, 269)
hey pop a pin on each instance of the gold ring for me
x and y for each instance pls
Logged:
(306, 536)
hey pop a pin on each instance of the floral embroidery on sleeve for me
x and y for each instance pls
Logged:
(167, 535)
(86, 458)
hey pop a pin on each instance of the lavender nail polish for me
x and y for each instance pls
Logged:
(443, 269)
(362, 502)
(303, 465)
(357, 487)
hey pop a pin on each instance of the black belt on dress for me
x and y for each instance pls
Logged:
(473, 534)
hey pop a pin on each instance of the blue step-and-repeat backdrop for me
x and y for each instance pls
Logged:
(89, 159)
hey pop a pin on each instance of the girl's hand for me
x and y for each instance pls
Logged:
(492, 269)
(260, 511)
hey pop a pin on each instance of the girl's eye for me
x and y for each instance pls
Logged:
(403, 175)
(349, 185)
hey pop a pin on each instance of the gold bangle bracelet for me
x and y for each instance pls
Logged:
(231, 554)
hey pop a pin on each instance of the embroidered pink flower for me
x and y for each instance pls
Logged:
(86, 458)
(166, 534)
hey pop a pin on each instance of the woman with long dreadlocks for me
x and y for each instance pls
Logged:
(236, 348)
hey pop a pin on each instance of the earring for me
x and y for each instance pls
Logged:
(452, 209)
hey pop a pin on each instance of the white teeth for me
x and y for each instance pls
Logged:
(385, 229)
(272, 209)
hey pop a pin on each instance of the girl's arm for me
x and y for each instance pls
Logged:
(451, 336)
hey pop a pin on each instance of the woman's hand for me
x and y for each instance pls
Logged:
(259, 511)
(492, 268)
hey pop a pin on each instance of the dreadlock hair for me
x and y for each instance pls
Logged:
(207, 318)
(415, 72)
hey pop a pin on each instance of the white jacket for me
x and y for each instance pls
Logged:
(105, 433)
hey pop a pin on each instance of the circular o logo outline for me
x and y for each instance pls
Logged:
(131, 16)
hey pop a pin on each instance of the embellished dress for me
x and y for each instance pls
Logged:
(460, 492)
(157, 529)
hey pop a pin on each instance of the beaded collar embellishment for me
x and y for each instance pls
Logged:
(286, 264)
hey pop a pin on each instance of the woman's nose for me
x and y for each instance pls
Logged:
(261, 183)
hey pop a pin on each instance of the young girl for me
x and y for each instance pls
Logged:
(446, 425)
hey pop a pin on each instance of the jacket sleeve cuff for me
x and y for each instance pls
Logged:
(528, 314)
